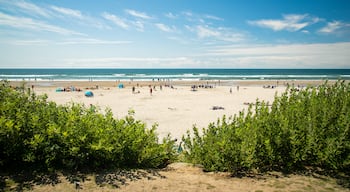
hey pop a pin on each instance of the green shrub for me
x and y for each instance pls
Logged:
(302, 128)
(34, 131)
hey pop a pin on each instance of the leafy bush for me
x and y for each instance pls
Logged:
(36, 132)
(310, 127)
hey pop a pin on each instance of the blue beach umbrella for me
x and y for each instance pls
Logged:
(121, 86)
(89, 94)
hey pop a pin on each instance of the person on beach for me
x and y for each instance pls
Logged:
(231, 90)
(92, 108)
(150, 91)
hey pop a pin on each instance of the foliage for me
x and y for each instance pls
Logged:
(36, 132)
(308, 127)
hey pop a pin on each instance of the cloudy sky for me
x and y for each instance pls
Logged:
(175, 34)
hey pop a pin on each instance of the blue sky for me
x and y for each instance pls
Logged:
(175, 34)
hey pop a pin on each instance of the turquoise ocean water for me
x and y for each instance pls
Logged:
(171, 74)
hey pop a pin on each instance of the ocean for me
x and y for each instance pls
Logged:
(171, 74)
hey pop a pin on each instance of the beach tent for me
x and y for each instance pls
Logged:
(121, 85)
(59, 89)
(89, 94)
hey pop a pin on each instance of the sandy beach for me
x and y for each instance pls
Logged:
(175, 107)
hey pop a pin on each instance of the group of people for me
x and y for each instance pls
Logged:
(231, 88)
(269, 86)
(205, 86)
(151, 89)
(195, 87)
(68, 89)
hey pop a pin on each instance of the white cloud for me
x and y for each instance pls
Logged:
(81, 18)
(254, 56)
(116, 20)
(73, 41)
(221, 34)
(316, 19)
(332, 27)
(131, 62)
(28, 23)
(91, 41)
(294, 18)
(50, 12)
(130, 59)
(205, 31)
(293, 49)
(138, 14)
(327, 55)
(165, 28)
(200, 18)
(31, 8)
(188, 13)
(30, 42)
(178, 39)
(171, 15)
(139, 25)
(67, 11)
(305, 31)
(230, 36)
(290, 22)
(213, 17)
(125, 23)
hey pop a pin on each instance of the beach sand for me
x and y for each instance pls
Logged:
(182, 177)
(175, 110)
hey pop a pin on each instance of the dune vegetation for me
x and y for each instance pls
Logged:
(301, 128)
(42, 134)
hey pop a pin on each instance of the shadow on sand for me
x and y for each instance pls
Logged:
(28, 179)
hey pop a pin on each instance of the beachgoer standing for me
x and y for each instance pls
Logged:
(150, 91)
(92, 108)
(231, 90)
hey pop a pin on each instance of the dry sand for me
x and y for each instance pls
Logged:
(183, 177)
(175, 110)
